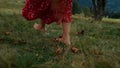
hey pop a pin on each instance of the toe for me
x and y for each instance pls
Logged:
(36, 26)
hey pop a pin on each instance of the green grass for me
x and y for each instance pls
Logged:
(23, 47)
(111, 20)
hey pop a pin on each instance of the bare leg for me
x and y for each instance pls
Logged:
(40, 26)
(66, 33)
(66, 38)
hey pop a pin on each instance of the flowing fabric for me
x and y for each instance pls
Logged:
(48, 10)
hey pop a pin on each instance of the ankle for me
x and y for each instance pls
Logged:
(66, 40)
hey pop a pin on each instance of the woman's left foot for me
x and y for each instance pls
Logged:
(63, 40)
(72, 48)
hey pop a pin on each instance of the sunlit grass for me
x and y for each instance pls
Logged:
(23, 47)
(111, 20)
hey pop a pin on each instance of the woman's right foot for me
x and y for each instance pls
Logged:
(39, 27)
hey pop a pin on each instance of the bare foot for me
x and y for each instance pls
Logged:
(39, 27)
(63, 40)
(68, 43)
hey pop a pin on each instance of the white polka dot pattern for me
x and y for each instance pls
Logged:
(48, 10)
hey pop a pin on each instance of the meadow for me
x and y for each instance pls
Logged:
(23, 47)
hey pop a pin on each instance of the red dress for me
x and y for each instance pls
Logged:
(48, 10)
